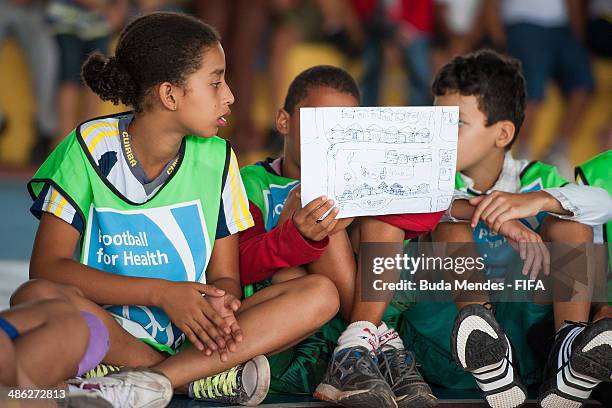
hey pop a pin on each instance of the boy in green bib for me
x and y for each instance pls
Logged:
(153, 201)
(508, 202)
(362, 364)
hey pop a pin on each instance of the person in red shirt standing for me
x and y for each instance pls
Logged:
(369, 366)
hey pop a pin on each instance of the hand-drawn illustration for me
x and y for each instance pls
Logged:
(374, 161)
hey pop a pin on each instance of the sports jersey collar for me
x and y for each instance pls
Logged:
(115, 118)
(273, 166)
(132, 160)
(509, 179)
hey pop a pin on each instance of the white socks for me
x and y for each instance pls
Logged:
(389, 338)
(367, 335)
(362, 333)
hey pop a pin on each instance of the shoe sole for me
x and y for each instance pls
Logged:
(378, 396)
(554, 400)
(472, 318)
(263, 381)
(593, 354)
(469, 320)
(418, 401)
(590, 358)
(510, 398)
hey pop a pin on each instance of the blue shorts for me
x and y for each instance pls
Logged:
(9, 329)
(550, 53)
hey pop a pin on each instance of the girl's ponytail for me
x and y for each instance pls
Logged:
(109, 80)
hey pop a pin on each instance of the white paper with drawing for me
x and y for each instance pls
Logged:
(375, 161)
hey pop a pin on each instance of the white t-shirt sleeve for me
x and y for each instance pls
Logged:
(588, 204)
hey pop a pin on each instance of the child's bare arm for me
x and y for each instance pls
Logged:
(223, 273)
(462, 210)
(54, 246)
(223, 269)
(499, 207)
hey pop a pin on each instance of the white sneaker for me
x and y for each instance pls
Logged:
(129, 388)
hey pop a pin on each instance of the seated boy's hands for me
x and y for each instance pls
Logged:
(306, 219)
(498, 207)
(197, 318)
(530, 246)
(226, 306)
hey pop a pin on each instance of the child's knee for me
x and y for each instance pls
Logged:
(374, 230)
(453, 232)
(37, 289)
(321, 292)
(558, 230)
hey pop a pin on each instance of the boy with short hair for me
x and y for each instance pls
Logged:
(526, 204)
(369, 366)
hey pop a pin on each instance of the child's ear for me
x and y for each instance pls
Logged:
(282, 122)
(166, 96)
(506, 133)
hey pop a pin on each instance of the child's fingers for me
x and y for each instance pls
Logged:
(314, 204)
(500, 221)
(329, 218)
(492, 218)
(235, 304)
(479, 210)
(492, 207)
(223, 354)
(236, 332)
(546, 258)
(537, 261)
(476, 200)
(207, 330)
(231, 345)
(208, 290)
(529, 261)
(212, 315)
(328, 230)
(193, 338)
(201, 334)
(316, 214)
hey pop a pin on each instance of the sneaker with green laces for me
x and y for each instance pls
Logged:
(102, 370)
(245, 384)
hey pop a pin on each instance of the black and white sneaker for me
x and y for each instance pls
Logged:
(480, 346)
(353, 380)
(399, 368)
(580, 359)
